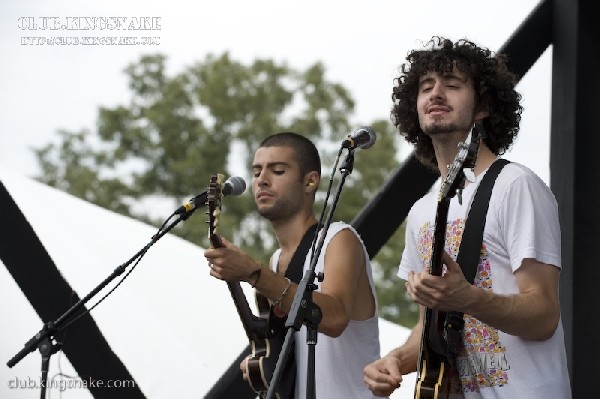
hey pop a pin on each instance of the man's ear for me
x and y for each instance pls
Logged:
(481, 114)
(311, 181)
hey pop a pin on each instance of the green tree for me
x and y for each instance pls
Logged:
(178, 130)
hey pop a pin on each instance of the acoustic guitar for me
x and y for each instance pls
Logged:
(436, 371)
(265, 337)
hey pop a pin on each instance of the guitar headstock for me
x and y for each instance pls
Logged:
(461, 168)
(213, 208)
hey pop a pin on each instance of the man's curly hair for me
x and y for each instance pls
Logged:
(494, 90)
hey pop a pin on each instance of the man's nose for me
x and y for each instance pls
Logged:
(437, 92)
(262, 178)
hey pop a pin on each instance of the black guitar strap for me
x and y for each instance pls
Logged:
(277, 324)
(294, 272)
(472, 238)
(470, 248)
(295, 268)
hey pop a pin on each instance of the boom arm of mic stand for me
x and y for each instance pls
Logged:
(303, 309)
(49, 329)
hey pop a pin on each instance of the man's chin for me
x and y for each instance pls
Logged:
(267, 213)
(439, 129)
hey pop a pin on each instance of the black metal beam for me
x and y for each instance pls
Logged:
(530, 40)
(231, 384)
(574, 179)
(50, 295)
(387, 210)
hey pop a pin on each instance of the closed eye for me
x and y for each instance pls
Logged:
(426, 88)
(256, 172)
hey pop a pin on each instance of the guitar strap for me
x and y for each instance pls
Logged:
(277, 324)
(294, 273)
(472, 238)
(470, 249)
(295, 268)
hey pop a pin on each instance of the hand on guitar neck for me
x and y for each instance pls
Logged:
(424, 288)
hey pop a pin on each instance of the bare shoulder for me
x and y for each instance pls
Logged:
(345, 249)
(346, 239)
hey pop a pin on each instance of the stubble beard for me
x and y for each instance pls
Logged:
(278, 211)
(438, 127)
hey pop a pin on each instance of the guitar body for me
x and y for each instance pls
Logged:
(265, 332)
(266, 346)
(258, 364)
(435, 371)
(437, 376)
(261, 365)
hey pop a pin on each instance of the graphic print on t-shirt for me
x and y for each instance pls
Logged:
(482, 360)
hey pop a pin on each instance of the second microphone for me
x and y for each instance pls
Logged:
(235, 185)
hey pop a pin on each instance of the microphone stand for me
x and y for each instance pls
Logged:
(303, 309)
(44, 340)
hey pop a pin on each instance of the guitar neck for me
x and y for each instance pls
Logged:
(439, 237)
(433, 327)
(255, 327)
(432, 381)
(435, 358)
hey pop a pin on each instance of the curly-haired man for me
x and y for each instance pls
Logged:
(512, 341)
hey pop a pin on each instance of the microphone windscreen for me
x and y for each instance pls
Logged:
(235, 185)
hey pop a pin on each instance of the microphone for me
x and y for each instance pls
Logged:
(364, 137)
(235, 185)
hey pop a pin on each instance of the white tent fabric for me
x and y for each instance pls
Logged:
(173, 326)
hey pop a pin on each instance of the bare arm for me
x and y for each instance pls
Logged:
(533, 313)
(344, 263)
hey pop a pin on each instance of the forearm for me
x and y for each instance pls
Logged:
(528, 315)
(273, 285)
(408, 353)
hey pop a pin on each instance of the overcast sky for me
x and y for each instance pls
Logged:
(50, 87)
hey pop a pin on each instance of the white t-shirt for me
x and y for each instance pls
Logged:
(522, 222)
(339, 362)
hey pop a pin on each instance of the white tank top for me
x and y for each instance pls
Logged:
(339, 362)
